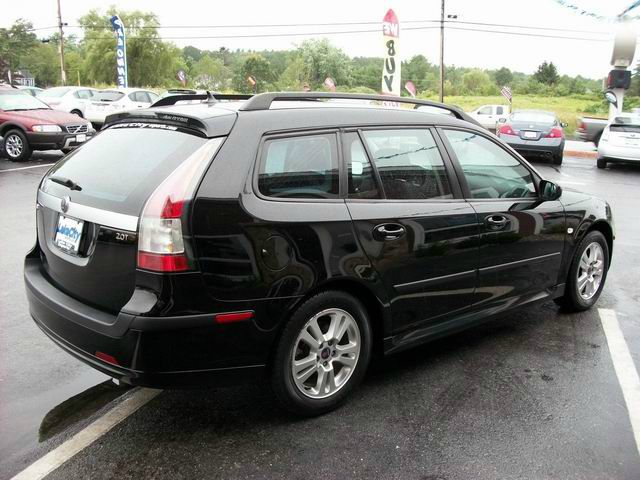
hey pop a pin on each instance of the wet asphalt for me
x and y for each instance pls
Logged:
(532, 395)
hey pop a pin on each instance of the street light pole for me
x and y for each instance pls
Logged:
(63, 75)
(442, 53)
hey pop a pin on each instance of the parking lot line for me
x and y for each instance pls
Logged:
(26, 168)
(87, 436)
(624, 367)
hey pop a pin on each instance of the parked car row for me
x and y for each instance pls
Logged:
(59, 118)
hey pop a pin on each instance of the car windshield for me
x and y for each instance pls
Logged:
(109, 96)
(15, 100)
(533, 117)
(54, 92)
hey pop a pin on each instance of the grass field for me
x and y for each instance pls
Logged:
(568, 109)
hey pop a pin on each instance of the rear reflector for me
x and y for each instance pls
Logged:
(105, 357)
(233, 317)
(163, 263)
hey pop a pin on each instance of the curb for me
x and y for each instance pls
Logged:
(579, 153)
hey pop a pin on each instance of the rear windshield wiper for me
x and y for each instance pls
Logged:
(67, 182)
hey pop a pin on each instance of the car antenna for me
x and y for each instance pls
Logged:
(211, 98)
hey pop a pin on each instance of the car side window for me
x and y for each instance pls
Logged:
(409, 164)
(300, 167)
(133, 96)
(499, 110)
(490, 171)
(362, 182)
(152, 96)
(485, 111)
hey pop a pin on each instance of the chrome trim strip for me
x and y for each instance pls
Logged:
(404, 287)
(517, 262)
(106, 218)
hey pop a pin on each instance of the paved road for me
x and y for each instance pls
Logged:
(533, 395)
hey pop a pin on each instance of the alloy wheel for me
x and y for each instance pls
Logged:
(325, 353)
(590, 270)
(13, 146)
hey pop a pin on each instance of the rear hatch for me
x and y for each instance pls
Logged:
(624, 135)
(88, 233)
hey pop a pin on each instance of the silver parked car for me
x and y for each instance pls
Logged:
(620, 140)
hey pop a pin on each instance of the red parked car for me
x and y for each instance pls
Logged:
(28, 124)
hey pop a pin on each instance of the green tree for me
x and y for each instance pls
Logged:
(258, 67)
(546, 74)
(294, 77)
(322, 60)
(210, 73)
(503, 77)
(150, 61)
(477, 82)
(420, 72)
(16, 43)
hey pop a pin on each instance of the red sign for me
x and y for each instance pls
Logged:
(330, 84)
(411, 88)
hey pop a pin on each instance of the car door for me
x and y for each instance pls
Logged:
(522, 237)
(412, 223)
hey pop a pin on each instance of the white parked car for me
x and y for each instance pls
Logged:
(620, 140)
(107, 102)
(68, 99)
(489, 115)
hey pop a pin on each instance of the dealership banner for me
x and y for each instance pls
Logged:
(391, 66)
(121, 52)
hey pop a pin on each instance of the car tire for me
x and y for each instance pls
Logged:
(77, 112)
(16, 146)
(322, 367)
(557, 158)
(580, 294)
(602, 163)
(596, 139)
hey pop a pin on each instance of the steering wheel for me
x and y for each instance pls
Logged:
(516, 192)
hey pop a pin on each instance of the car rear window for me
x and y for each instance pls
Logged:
(121, 167)
(108, 96)
(625, 128)
(54, 92)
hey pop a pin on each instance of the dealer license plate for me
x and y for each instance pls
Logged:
(81, 137)
(68, 234)
(530, 134)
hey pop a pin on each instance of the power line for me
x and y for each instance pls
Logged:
(527, 27)
(325, 24)
(527, 34)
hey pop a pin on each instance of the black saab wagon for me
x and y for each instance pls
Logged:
(290, 236)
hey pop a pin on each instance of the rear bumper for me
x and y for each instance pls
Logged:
(159, 352)
(545, 147)
(611, 152)
(55, 141)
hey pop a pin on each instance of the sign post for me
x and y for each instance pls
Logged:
(121, 52)
(391, 66)
(506, 93)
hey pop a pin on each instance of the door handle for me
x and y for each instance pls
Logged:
(496, 222)
(388, 231)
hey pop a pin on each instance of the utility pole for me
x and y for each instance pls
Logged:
(441, 53)
(63, 75)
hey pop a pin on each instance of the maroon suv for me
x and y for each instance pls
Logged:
(28, 124)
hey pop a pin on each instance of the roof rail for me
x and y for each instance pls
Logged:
(208, 96)
(263, 101)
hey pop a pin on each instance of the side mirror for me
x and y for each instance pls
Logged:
(550, 191)
(564, 124)
(611, 97)
(502, 120)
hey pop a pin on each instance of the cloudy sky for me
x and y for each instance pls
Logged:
(587, 52)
